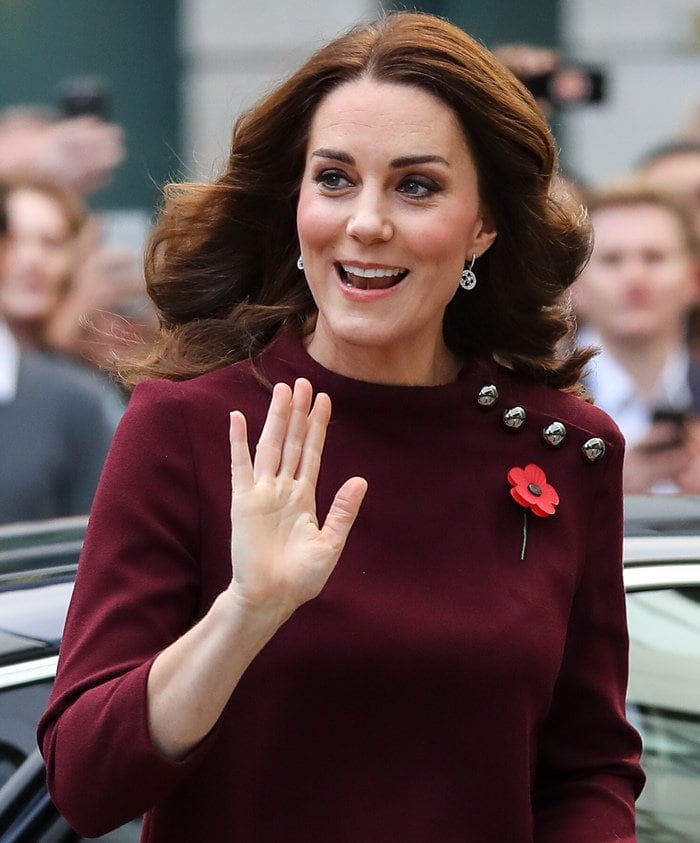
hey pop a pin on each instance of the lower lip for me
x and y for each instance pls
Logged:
(356, 294)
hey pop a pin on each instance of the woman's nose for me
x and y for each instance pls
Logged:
(369, 221)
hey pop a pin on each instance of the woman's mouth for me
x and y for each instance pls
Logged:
(370, 277)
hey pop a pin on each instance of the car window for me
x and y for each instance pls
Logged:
(664, 705)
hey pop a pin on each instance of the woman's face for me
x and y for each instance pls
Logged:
(38, 259)
(388, 215)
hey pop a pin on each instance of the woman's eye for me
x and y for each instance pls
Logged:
(332, 179)
(418, 187)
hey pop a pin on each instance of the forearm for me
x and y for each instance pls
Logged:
(191, 681)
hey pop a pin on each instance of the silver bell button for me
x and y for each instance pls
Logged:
(554, 434)
(514, 418)
(488, 395)
(593, 449)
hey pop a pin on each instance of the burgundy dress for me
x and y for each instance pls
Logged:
(441, 688)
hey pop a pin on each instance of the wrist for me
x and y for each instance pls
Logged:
(251, 624)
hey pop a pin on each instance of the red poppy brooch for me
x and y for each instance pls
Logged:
(530, 489)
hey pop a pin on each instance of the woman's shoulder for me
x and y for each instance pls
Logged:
(206, 386)
(546, 405)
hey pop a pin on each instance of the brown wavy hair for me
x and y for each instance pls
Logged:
(220, 266)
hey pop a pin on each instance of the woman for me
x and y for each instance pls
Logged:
(45, 221)
(460, 675)
(55, 424)
(64, 289)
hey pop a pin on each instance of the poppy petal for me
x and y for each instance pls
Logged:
(516, 476)
(516, 494)
(535, 475)
(550, 494)
(542, 509)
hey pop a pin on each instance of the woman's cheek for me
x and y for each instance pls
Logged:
(312, 218)
(438, 240)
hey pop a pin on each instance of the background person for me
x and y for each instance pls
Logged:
(80, 153)
(45, 221)
(64, 291)
(54, 425)
(460, 657)
(635, 296)
(675, 168)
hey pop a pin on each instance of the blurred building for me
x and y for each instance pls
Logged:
(181, 70)
(650, 50)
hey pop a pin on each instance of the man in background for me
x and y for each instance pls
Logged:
(675, 167)
(635, 297)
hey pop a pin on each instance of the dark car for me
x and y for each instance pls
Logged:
(37, 569)
(662, 578)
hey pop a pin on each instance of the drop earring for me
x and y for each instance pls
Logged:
(467, 280)
(300, 263)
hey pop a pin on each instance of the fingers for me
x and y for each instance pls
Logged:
(343, 512)
(269, 449)
(297, 428)
(241, 466)
(310, 464)
(293, 435)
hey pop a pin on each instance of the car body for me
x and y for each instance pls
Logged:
(662, 579)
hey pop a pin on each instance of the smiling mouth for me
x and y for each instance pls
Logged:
(370, 278)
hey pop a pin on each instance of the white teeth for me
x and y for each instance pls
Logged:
(360, 272)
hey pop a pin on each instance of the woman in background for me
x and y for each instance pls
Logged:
(54, 425)
(64, 289)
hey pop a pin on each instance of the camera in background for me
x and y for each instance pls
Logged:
(569, 86)
(81, 96)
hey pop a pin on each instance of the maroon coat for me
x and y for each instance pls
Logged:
(441, 688)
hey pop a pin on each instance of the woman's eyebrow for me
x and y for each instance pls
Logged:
(396, 163)
(335, 154)
(411, 160)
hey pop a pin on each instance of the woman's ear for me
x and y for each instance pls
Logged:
(486, 234)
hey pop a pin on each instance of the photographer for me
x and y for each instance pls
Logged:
(553, 82)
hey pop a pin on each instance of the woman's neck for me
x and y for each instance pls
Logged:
(375, 364)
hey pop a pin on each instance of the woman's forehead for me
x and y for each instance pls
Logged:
(400, 115)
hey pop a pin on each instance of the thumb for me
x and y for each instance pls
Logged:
(343, 512)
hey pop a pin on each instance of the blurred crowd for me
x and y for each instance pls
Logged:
(72, 299)
(638, 299)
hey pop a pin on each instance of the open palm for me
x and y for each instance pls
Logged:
(280, 556)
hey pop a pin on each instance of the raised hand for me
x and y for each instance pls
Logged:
(280, 556)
